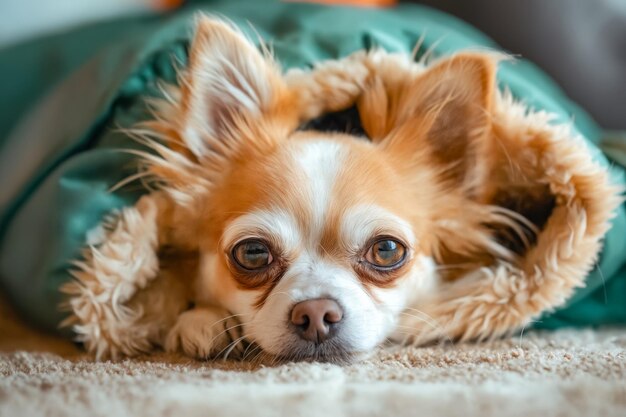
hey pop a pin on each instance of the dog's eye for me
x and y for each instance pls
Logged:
(386, 253)
(252, 254)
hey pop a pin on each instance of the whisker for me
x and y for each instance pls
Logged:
(453, 266)
(224, 331)
(279, 293)
(228, 318)
(261, 352)
(434, 324)
(256, 349)
(230, 347)
(128, 180)
(245, 352)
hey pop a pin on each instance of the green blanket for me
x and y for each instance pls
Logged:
(61, 99)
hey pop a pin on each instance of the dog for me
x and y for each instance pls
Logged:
(314, 245)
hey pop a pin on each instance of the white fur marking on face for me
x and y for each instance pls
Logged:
(363, 222)
(320, 162)
(275, 223)
(309, 278)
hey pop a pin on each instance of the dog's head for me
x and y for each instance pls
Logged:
(319, 241)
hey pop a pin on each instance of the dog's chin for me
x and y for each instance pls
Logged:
(328, 352)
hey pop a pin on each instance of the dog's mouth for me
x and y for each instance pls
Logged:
(330, 352)
(333, 351)
(337, 359)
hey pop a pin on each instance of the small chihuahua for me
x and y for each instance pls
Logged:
(320, 246)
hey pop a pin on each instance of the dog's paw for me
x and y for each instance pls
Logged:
(203, 333)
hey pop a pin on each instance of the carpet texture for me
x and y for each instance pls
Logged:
(567, 373)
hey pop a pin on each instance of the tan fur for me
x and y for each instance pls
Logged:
(447, 148)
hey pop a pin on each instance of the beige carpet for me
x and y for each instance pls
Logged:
(566, 373)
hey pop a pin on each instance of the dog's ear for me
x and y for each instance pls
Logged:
(443, 113)
(230, 93)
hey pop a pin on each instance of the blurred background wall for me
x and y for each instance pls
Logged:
(24, 19)
(580, 43)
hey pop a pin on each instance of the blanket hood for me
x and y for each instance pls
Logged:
(543, 172)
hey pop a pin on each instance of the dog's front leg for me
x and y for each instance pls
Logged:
(204, 332)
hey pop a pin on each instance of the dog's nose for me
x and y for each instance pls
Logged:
(315, 319)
